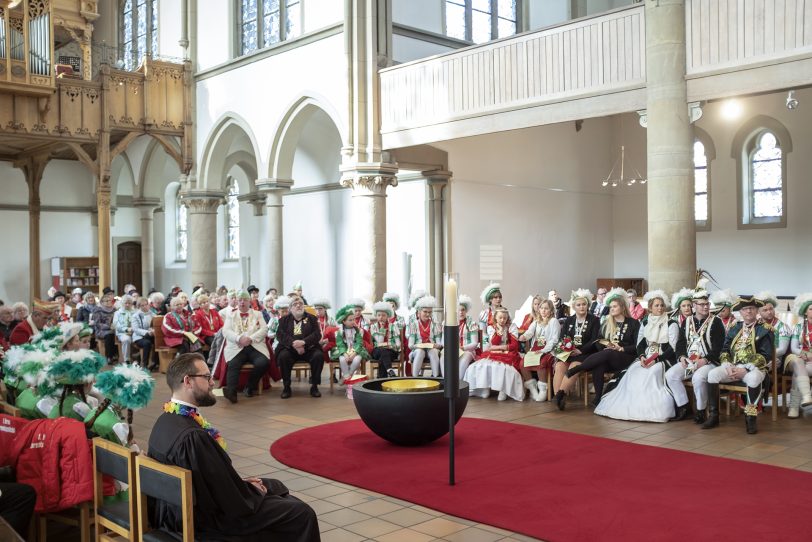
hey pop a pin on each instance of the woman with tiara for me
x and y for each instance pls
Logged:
(580, 329)
(492, 299)
(499, 368)
(542, 336)
(639, 393)
(722, 302)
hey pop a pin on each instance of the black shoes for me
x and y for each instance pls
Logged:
(286, 393)
(561, 400)
(682, 414)
(230, 394)
(314, 391)
(750, 424)
(391, 373)
(700, 417)
(249, 392)
(572, 371)
(713, 407)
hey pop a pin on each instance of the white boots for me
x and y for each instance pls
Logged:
(538, 390)
(803, 388)
(542, 392)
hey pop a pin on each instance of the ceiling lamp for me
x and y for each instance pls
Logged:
(612, 181)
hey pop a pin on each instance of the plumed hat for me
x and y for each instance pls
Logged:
(802, 303)
(344, 312)
(46, 307)
(321, 302)
(656, 294)
(392, 297)
(722, 298)
(282, 302)
(243, 294)
(415, 297)
(465, 301)
(767, 297)
(680, 296)
(79, 367)
(615, 293)
(743, 302)
(357, 302)
(50, 337)
(488, 292)
(426, 302)
(128, 386)
(581, 293)
(34, 363)
(383, 306)
(297, 286)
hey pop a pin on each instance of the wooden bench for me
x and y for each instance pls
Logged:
(165, 353)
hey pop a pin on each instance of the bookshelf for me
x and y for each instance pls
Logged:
(80, 272)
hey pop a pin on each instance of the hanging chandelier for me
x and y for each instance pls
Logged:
(612, 181)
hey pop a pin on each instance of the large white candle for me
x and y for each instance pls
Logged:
(451, 302)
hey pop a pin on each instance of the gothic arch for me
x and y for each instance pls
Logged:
(218, 148)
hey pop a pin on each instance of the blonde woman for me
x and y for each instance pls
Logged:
(520, 328)
(582, 328)
(499, 367)
(543, 335)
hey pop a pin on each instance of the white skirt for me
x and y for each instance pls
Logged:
(485, 375)
(641, 395)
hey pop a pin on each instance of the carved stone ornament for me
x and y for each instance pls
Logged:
(375, 184)
(37, 8)
(203, 205)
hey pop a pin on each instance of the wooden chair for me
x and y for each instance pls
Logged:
(167, 483)
(740, 387)
(165, 353)
(80, 516)
(117, 519)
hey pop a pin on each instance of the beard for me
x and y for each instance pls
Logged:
(205, 398)
(297, 313)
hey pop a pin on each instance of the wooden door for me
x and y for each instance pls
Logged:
(129, 265)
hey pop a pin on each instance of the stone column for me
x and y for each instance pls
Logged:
(436, 183)
(103, 217)
(203, 207)
(671, 229)
(147, 207)
(273, 190)
(369, 230)
(33, 168)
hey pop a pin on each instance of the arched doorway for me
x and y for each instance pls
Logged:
(128, 256)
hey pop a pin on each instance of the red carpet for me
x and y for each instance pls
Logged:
(562, 486)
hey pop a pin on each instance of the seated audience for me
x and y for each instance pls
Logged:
(639, 393)
(123, 324)
(782, 333)
(394, 300)
(349, 349)
(425, 338)
(492, 299)
(103, 322)
(34, 323)
(6, 321)
(499, 366)
(721, 303)
(636, 310)
(385, 338)
(207, 320)
(143, 334)
(598, 307)
(20, 312)
(253, 291)
(358, 305)
(468, 335)
(225, 504)
(580, 329)
(244, 332)
(180, 329)
(561, 310)
(543, 336)
(799, 362)
(85, 312)
(298, 338)
(156, 303)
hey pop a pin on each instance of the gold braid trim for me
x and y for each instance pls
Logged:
(724, 357)
(751, 410)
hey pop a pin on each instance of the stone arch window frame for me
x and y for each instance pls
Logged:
(469, 10)
(742, 149)
(231, 183)
(289, 23)
(705, 139)
(132, 57)
(181, 220)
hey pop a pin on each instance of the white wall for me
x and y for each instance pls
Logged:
(406, 231)
(541, 13)
(215, 22)
(321, 13)
(406, 49)
(170, 28)
(423, 14)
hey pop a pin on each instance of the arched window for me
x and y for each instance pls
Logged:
(261, 22)
(181, 229)
(701, 207)
(481, 20)
(138, 28)
(233, 221)
(766, 182)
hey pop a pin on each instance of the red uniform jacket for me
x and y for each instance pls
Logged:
(9, 427)
(209, 325)
(21, 333)
(53, 456)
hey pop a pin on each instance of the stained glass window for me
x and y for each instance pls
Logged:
(181, 229)
(293, 19)
(261, 22)
(766, 178)
(233, 221)
(138, 26)
(700, 183)
(480, 20)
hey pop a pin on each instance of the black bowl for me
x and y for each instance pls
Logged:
(406, 418)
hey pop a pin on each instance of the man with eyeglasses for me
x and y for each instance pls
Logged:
(298, 335)
(698, 348)
(225, 505)
(597, 307)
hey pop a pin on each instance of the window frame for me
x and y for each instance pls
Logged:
(231, 181)
(179, 205)
(152, 31)
(494, 13)
(703, 137)
(283, 30)
(744, 145)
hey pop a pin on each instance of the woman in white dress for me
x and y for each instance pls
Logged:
(543, 334)
(640, 392)
(499, 367)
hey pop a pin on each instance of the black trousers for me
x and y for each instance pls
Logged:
(605, 361)
(384, 357)
(147, 346)
(110, 346)
(286, 357)
(16, 505)
(251, 355)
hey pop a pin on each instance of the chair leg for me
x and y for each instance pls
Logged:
(84, 521)
(42, 528)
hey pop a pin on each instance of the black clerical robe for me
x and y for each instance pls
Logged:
(223, 502)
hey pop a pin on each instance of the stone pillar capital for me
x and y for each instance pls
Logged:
(369, 179)
(437, 181)
(202, 202)
(256, 200)
(269, 184)
(147, 206)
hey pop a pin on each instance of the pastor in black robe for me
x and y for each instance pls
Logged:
(224, 504)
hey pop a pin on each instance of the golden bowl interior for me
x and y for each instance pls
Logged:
(410, 385)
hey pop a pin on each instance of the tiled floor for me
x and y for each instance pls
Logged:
(349, 513)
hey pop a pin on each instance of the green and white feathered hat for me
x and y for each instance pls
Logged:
(415, 297)
(581, 293)
(488, 292)
(383, 306)
(768, 297)
(13, 358)
(343, 312)
(680, 296)
(73, 368)
(722, 298)
(465, 301)
(615, 293)
(297, 286)
(129, 386)
(282, 302)
(802, 303)
(50, 337)
(392, 297)
(357, 302)
(34, 365)
(426, 302)
(321, 302)
(701, 290)
(656, 294)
